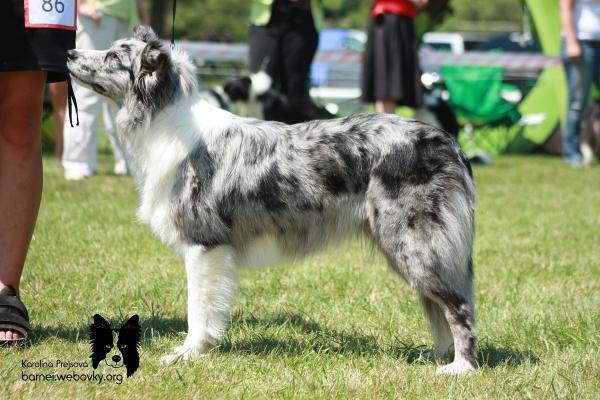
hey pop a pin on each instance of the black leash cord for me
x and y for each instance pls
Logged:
(72, 101)
(173, 27)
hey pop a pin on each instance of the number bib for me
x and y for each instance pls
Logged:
(58, 14)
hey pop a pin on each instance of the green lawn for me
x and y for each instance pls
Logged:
(338, 325)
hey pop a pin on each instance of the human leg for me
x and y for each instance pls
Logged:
(385, 106)
(20, 171)
(579, 78)
(80, 142)
(298, 50)
(109, 115)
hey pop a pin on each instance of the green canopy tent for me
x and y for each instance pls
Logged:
(475, 93)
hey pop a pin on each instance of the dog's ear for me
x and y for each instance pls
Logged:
(129, 343)
(153, 85)
(154, 57)
(144, 33)
(132, 323)
(100, 321)
(101, 339)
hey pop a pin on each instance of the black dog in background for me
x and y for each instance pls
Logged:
(128, 343)
(273, 105)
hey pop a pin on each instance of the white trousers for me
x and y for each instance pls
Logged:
(80, 142)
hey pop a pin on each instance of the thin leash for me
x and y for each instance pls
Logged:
(173, 26)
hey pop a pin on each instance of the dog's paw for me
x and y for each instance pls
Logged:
(459, 367)
(170, 359)
(185, 353)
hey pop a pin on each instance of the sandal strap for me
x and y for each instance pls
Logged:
(12, 310)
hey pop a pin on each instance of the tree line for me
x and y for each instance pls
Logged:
(227, 20)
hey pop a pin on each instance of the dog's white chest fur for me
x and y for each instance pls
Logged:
(161, 149)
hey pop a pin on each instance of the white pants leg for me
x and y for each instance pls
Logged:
(80, 142)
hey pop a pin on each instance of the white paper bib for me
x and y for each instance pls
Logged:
(58, 14)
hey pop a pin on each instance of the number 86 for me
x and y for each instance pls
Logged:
(59, 6)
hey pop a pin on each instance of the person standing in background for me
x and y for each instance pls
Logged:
(391, 72)
(101, 22)
(581, 58)
(283, 41)
(36, 37)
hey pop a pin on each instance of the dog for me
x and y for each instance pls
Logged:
(263, 101)
(128, 343)
(225, 191)
(590, 133)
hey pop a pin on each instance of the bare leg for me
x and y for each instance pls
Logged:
(20, 171)
(58, 97)
(385, 106)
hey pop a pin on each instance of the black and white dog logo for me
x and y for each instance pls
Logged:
(128, 343)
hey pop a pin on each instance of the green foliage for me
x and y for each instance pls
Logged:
(484, 16)
(201, 19)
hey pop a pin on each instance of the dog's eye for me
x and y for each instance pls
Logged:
(108, 346)
(112, 56)
(123, 346)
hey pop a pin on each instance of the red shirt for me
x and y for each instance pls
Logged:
(399, 7)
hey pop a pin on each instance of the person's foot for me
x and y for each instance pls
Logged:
(14, 319)
(10, 335)
(75, 175)
(574, 162)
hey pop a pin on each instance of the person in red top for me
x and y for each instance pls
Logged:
(391, 73)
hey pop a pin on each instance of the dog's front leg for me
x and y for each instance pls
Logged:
(211, 280)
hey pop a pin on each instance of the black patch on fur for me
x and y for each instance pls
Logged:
(414, 163)
(274, 189)
(334, 183)
(195, 216)
(458, 307)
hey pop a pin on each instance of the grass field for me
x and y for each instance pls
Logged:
(338, 325)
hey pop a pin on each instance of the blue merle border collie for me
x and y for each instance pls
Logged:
(226, 191)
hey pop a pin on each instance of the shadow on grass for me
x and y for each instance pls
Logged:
(80, 333)
(324, 340)
(492, 356)
(315, 338)
(310, 337)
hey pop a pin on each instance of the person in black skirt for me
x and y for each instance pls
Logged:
(33, 52)
(391, 73)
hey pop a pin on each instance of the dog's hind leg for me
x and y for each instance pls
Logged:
(432, 251)
(460, 314)
(439, 326)
(211, 283)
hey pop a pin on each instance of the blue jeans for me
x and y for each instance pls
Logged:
(580, 75)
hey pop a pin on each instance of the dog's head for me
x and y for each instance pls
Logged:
(128, 342)
(139, 70)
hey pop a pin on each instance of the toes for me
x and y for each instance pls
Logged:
(10, 335)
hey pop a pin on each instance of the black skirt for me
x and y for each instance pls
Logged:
(391, 64)
(32, 49)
